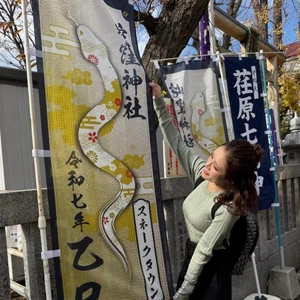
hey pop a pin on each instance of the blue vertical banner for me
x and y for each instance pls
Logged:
(248, 117)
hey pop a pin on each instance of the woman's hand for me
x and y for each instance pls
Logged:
(156, 90)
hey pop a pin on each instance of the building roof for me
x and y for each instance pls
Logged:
(292, 50)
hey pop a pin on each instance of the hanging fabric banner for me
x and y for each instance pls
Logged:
(108, 208)
(248, 117)
(193, 89)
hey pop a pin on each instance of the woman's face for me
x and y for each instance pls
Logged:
(215, 167)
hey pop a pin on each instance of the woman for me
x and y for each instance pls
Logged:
(228, 177)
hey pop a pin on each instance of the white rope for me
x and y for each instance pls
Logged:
(213, 54)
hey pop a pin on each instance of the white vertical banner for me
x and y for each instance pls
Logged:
(194, 92)
(99, 120)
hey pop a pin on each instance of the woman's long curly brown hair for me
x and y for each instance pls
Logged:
(239, 181)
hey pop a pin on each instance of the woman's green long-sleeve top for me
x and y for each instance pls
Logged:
(201, 229)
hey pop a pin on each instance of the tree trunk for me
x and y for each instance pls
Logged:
(174, 27)
(232, 10)
(277, 30)
(260, 8)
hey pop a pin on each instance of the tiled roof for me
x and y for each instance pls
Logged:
(292, 49)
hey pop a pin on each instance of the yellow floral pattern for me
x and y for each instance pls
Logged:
(210, 121)
(79, 77)
(63, 110)
(134, 161)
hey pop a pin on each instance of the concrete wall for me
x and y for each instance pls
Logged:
(20, 207)
(16, 162)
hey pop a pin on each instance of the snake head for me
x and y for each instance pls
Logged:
(92, 47)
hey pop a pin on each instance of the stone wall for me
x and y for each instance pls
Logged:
(20, 207)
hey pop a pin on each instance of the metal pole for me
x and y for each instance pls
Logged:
(211, 18)
(256, 275)
(41, 219)
(276, 202)
(227, 104)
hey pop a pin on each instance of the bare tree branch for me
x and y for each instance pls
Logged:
(147, 20)
(11, 29)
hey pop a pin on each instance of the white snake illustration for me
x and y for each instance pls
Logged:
(95, 52)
